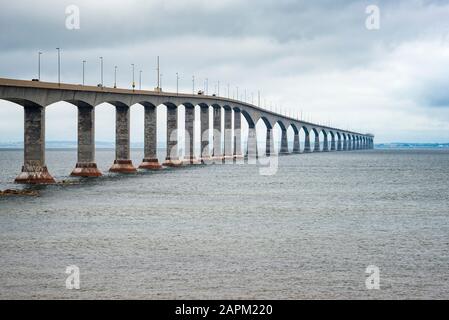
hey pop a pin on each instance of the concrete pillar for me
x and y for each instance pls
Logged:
(325, 143)
(296, 148)
(237, 134)
(86, 166)
(228, 154)
(349, 140)
(122, 162)
(284, 142)
(333, 146)
(354, 145)
(216, 153)
(150, 160)
(204, 119)
(34, 170)
(269, 149)
(172, 158)
(251, 152)
(307, 148)
(317, 143)
(339, 142)
(345, 143)
(189, 157)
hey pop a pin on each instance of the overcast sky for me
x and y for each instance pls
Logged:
(317, 57)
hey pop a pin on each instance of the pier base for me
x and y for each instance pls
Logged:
(123, 166)
(172, 163)
(35, 174)
(150, 164)
(86, 169)
(191, 161)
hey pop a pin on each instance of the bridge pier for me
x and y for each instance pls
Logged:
(354, 147)
(325, 144)
(228, 154)
(237, 134)
(216, 153)
(284, 142)
(189, 157)
(307, 148)
(122, 162)
(296, 144)
(86, 166)
(251, 151)
(172, 157)
(269, 148)
(150, 160)
(317, 143)
(339, 146)
(349, 148)
(34, 170)
(204, 128)
(333, 146)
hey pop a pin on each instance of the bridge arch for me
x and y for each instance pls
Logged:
(315, 140)
(292, 132)
(338, 141)
(264, 130)
(23, 102)
(324, 141)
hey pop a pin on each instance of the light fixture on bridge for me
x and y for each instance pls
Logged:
(101, 71)
(133, 84)
(39, 66)
(84, 66)
(140, 79)
(59, 66)
(159, 77)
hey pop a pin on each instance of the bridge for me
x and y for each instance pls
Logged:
(35, 96)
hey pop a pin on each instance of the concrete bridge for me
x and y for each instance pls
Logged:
(34, 96)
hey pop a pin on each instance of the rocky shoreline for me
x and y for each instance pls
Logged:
(15, 192)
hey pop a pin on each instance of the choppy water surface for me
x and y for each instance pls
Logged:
(225, 231)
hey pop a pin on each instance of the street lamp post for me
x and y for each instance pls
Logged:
(177, 83)
(84, 64)
(158, 71)
(115, 76)
(133, 84)
(193, 84)
(39, 66)
(59, 66)
(140, 80)
(101, 70)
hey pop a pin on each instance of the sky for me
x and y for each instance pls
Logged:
(315, 58)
